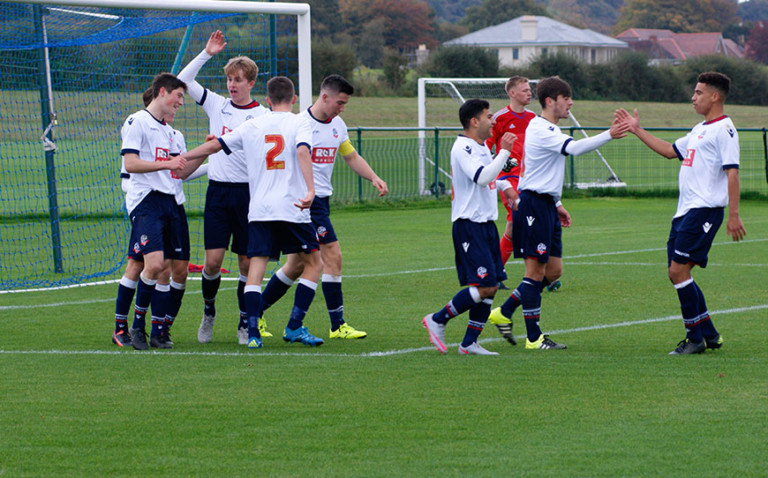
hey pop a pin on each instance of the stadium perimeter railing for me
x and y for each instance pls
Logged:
(393, 153)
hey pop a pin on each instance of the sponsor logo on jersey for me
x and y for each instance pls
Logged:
(681, 253)
(707, 226)
(511, 126)
(161, 154)
(322, 231)
(465, 246)
(688, 161)
(323, 155)
(482, 272)
(130, 121)
(225, 112)
(248, 117)
(530, 220)
(541, 248)
(551, 128)
(225, 130)
(468, 149)
(731, 132)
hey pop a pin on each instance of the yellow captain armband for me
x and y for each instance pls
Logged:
(346, 148)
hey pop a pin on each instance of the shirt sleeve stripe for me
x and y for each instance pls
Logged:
(562, 150)
(224, 146)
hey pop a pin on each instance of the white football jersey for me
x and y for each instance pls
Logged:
(125, 178)
(469, 200)
(704, 152)
(544, 161)
(225, 116)
(275, 180)
(327, 136)
(152, 140)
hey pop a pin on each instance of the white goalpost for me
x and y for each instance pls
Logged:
(434, 111)
(72, 71)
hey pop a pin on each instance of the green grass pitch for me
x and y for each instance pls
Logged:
(613, 404)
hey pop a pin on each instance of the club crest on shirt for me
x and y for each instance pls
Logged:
(541, 248)
(482, 272)
(335, 133)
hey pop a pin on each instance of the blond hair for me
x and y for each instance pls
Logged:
(514, 81)
(244, 64)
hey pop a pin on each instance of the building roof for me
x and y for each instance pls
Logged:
(546, 31)
(665, 44)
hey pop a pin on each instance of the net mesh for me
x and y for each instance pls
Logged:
(62, 216)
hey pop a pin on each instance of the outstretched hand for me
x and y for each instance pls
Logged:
(380, 186)
(215, 43)
(621, 115)
(619, 128)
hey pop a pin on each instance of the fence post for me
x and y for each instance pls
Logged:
(765, 154)
(573, 166)
(437, 167)
(360, 152)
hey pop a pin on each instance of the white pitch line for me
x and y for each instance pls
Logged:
(415, 271)
(385, 353)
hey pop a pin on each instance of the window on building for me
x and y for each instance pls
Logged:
(593, 58)
(515, 53)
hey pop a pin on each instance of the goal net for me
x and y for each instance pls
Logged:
(439, 99)
(72, 71)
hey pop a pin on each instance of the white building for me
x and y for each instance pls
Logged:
(519, 41)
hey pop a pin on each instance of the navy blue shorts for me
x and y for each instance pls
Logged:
(692, 234)
(478, 256)
(159, 224)
(536, 229)
(320, 212)
(270, 238)
(226, 216)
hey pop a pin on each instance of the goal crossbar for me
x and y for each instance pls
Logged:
(301, 10)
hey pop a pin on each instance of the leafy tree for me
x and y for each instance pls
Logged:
(370, 44)
(459, 61)
(493, 12)
(598, 15)
(757, 46)
(330, 57)
(680, 16)
(407, 23)
(325, 17)
(753, 10)
(394, 69)
(451, 11)
(565, 66)
(749, 80)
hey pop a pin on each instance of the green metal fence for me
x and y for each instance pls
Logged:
(397, 153)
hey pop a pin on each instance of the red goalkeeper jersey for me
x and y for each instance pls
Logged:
(508, 120)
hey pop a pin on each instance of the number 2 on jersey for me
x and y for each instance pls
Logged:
(279, 145)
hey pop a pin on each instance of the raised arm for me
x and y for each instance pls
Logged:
(658, 145)
(215, 45)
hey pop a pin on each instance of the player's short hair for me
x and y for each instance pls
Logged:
(514, 81)
(243, 63)
(472, 109)
(146, 97)
(716, 80)
(168, 82)
(280, 90)
(337, 84)
(552, 87)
